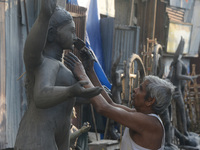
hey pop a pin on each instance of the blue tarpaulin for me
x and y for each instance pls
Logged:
(74, 2)
(93, 42)
(99, 71)
(93, 30)
(93, 39)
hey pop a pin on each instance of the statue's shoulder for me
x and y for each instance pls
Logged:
(48, 63)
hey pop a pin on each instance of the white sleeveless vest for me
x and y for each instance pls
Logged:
(128, 144)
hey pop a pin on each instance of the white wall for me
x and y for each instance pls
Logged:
(107, 7)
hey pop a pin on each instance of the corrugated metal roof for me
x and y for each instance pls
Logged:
(15, 91)
(12, 91)
(126, 41)
(107, 32)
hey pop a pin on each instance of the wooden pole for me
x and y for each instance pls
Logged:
(94, 121)
(106, 129)
(132, 13)
(26, 16)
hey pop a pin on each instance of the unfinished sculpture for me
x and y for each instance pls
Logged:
(178, 76)
(50, 87)
(79, 137)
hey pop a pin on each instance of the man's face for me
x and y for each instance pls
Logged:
(66, 35)
(138, 96)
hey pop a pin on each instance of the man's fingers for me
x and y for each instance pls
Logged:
(69, 66)
(68, 57)
(74, 57)
(69, 63)
(71, 57)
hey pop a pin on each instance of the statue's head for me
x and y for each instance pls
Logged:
(179, 50)
(61, 28)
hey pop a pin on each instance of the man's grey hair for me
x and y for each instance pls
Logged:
(161, 90)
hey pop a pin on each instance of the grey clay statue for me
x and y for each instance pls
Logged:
(50, 87)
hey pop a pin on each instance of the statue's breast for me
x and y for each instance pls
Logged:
(65, 77)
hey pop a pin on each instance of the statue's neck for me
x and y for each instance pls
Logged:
(53, 51)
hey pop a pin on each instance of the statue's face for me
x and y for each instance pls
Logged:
(66, 35)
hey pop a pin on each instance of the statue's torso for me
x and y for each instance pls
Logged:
(38, 123)
(175, 80)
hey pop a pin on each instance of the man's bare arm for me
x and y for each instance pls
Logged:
(36, 39)
(95, 81)
(132, 119)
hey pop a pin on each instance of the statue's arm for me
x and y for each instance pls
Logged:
(46, 94)
(84, 129)
(179, 74)
(170, 72)
(36, 39)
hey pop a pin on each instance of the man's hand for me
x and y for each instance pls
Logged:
(88, 58)
(87, 55)
(75, 65)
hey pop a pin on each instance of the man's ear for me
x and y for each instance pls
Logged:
(150, 101)
(51, 34)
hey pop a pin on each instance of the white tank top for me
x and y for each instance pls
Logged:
(128, 144)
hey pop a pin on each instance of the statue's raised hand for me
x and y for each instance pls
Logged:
(176, 95)
(48, 6)
(78, 90)
(86, 127)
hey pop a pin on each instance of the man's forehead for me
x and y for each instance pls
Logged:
(145, 82)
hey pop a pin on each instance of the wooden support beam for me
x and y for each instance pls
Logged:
(2, 77)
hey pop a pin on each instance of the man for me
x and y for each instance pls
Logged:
(144, 128)
(50, 87)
